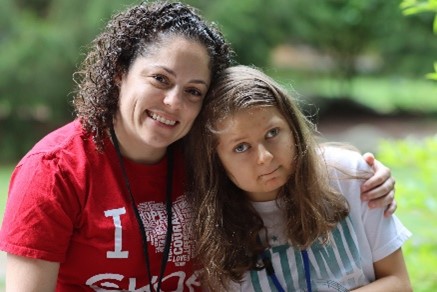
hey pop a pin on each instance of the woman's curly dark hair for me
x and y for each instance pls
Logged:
(126, 36)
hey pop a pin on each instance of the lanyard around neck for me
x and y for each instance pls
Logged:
(306, 266)
(271, 271)
(169, 187)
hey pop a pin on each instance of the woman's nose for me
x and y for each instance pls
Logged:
(173, 98)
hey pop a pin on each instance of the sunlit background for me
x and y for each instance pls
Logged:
(362, 69)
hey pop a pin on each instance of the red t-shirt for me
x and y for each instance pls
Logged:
(68, 203)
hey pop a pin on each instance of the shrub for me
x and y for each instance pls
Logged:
(413, 163)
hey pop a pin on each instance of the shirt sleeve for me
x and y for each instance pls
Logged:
(40, 210)
(384, 234)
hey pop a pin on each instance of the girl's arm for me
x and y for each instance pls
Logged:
(379, 189)
(31, 275)
(391, 275)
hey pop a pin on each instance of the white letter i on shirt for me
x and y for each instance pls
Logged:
(117, 253)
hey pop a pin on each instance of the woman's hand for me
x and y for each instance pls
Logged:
(379, 189)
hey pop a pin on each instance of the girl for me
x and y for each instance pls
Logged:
(274, 210)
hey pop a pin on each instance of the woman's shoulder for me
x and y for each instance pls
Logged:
(58, 138)
(65, 145)
(68, 136)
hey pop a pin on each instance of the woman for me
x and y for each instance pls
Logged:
(88, 205)
(98, 203)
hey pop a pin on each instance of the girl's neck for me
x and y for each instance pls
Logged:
(262, 196)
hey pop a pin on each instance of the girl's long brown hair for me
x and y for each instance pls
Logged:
(225, 225)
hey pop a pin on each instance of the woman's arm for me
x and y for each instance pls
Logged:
(379, 189)
(391, 275)
(31, 275)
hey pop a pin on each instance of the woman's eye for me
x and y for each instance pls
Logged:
(241, 148)
(194, 92)
(272, 133)
(160, 78)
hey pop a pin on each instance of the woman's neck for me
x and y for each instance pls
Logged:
(136, 151)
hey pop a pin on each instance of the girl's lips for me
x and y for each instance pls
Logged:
(265, 174)
(161, 119)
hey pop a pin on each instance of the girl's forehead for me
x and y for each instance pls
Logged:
(251, 111)
(245, 116)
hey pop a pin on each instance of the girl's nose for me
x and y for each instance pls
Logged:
(264, 155)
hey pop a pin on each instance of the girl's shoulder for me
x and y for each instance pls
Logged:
(344, 158)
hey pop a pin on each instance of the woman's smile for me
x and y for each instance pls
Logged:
(161, 119)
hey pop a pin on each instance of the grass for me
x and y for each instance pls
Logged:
(413, 165)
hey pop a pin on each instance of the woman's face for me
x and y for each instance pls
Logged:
(160, 96)
(256, 147)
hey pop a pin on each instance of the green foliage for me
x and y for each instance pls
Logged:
(40, 45)
(414, 166)
(253, 27)
(5, 174)
(433, 75)
(344, 29)
(414, 7)
(43, 41)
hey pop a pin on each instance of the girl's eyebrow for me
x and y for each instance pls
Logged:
(237, 140)
(234, 139)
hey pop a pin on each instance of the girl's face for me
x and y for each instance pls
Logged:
(160, 96)
(256, 147)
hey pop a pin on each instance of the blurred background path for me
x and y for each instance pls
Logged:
(366, 131)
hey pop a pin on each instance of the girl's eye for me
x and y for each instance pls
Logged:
(272, 133)
(241, 148)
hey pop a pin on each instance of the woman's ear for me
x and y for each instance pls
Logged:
(120, 73)
(118, 78)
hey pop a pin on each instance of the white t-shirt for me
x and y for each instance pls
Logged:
(361, 239)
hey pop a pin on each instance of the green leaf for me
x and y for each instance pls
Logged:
(432, 76)
(435, 24)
